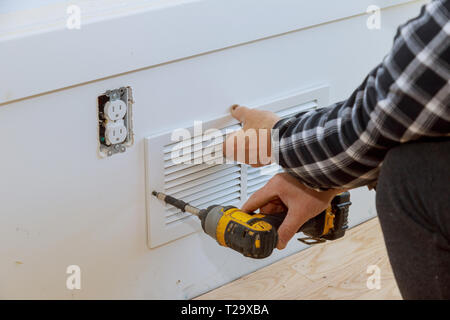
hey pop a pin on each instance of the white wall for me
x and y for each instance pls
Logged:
(62, 205)
(7, 6)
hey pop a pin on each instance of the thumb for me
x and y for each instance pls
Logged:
(230, 146)
(289, 227)
(239, 112)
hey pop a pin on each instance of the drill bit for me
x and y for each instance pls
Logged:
(180, 204)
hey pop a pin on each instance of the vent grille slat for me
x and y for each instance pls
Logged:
(258, 180)
(217, 191)
(174, 214)
(188, 171)
(251, 190)
(177, 218)
(189, 150)
(258, 177)
(204, 183)
(226, 182)
(219, 198)
(186, 162)
(199, 142)
(221, 169)
(194, 142)
(267, 171)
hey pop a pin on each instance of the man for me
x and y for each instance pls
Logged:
(393, 132)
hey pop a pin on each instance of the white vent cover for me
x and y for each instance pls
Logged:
(202, 184)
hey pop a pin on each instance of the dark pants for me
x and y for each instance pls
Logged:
(413, 204)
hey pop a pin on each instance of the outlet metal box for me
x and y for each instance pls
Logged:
(115, 121)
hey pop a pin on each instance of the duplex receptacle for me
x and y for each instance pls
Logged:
(115, 126)
(115, 109)
(115, 132)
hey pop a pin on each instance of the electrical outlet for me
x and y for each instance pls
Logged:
(115, 110)
(115, 132)
(115, 126)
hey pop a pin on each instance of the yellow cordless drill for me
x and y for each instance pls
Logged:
(255, 235)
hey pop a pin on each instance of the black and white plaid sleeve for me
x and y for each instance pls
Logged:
(405, 98)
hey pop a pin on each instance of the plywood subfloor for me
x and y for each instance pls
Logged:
(334, 270)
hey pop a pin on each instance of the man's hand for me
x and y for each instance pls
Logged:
(284, 192)
(251, 144)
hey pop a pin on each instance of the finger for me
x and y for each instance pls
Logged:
(260, 198)
(232, 149)
(289, 227)
(239, 112)
(271, 208)
(228, 147)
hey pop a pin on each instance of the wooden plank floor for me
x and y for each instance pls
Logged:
(334, 270)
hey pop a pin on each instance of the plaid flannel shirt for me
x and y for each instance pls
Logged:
(405, 98)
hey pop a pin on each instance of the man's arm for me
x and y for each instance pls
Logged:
(405, 98)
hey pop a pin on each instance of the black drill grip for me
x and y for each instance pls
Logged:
(315, 226)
